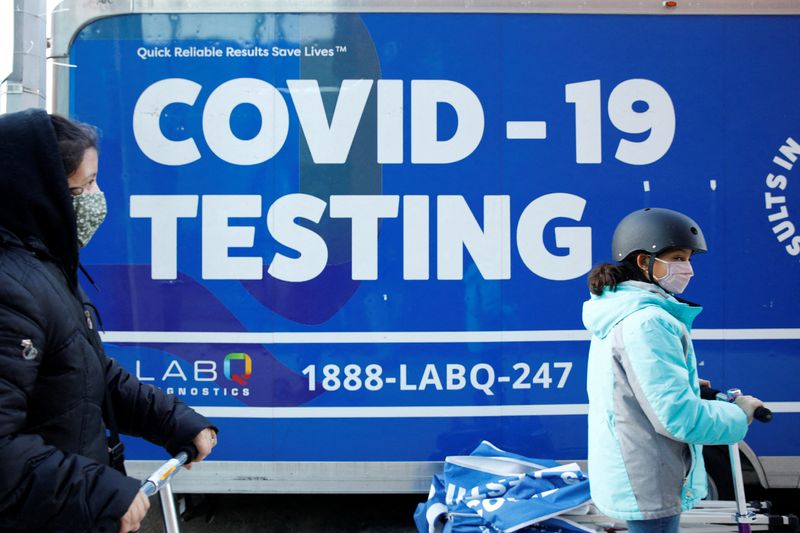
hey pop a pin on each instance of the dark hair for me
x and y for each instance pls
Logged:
(73, 138)
(608, 275)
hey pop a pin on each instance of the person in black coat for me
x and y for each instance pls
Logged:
(59, 392)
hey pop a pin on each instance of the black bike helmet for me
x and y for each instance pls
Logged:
(654, 230)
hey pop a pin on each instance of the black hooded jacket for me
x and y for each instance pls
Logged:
(54, 374)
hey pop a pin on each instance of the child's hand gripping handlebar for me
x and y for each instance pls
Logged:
(762, 414)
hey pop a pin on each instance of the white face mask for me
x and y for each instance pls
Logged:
(677, 277)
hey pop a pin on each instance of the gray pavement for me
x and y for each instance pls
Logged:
(297, 514)
(312, 513)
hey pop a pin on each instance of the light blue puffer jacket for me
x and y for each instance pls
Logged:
(646, 419)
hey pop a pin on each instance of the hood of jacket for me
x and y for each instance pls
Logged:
(601, 313)
(35, 204)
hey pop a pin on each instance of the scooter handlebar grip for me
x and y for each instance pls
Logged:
(762, 414)
(707, 393)
(191, 452)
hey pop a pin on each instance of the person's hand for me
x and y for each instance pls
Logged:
(704, 382)
(204, 442)
(133, 517)
(748, 404)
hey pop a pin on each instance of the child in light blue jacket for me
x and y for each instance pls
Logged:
(647, 422)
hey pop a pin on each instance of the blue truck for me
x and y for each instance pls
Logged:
(356, 234)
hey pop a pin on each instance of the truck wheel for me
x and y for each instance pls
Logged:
(718, 469)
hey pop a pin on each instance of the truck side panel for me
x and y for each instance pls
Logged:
(364, 239)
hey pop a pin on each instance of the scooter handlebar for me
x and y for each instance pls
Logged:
(762, 414)
(191, 452)
(166, 471)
